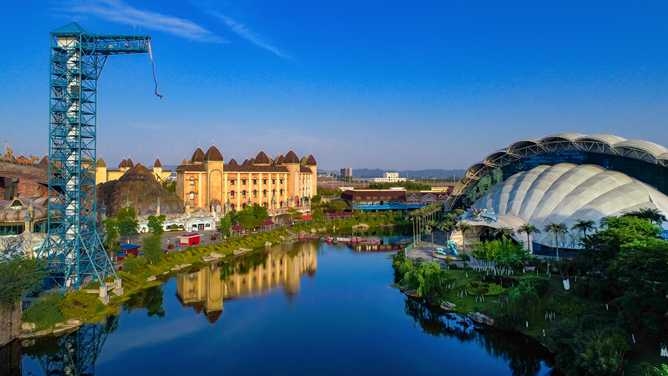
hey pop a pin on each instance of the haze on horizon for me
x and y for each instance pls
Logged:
(375, 84)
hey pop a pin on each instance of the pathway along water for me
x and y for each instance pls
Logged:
(310, 308)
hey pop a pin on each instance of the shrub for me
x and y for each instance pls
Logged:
(45, 311)
(133, 264)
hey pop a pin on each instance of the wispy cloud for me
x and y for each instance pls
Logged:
(120, 12)
(244, 32)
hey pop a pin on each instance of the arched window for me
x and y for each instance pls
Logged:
(231, 193)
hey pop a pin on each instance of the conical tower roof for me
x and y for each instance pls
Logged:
(213, 154)
(291, 157)
(310, 160)
(262, 158)
(198, 156)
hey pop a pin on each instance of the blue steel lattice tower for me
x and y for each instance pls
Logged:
(73, 247)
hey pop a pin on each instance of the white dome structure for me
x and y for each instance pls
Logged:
(565, 193)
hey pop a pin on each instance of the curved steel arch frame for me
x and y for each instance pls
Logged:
(636, 162)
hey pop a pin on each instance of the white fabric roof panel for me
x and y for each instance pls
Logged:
(655, 150)
(565, 193)
(606, 138)
(566, 136)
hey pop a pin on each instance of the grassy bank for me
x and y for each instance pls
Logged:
(52, 308)
(610, 321)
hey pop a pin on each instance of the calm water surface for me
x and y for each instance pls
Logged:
(307, 309)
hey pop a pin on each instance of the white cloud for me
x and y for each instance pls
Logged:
(244, 32)
(120, 12)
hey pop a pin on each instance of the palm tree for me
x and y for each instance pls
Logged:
(556, 229)
(652, 214)
(584, 225)
(431, 226)
(529, 229)
(445, 226)
(463, 227)
(504, 232)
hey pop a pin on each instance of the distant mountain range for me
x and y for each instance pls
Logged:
(435, 173)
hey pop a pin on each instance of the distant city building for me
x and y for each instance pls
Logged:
(206, 183)
(392, 198)
(346, 174)
(389, 177)
(104, 174)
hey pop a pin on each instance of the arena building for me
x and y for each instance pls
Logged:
(562, 179)
(206, 182)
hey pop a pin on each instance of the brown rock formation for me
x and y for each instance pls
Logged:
(139, 189)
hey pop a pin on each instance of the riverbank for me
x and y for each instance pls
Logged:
(55, 313)
(535, 304)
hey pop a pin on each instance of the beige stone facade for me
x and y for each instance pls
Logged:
(104, 174)
(206, 182)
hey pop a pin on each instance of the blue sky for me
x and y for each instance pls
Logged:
(390, 84)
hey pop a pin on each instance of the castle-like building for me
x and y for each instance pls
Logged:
(104, 174)
(208, 289)
(206, 182)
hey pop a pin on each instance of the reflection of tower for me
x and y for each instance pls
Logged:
(10, 359)
(78, 352)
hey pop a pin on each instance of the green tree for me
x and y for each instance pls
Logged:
(409, 185)
(504, 252)
(155, 224)
(334, 206)
(127, 223)
(152, 247)
(111, 234)
(19, 276)
(529, 230)
(600, 352)
(558, 230)
(584, 226)
(225, 225)
(651, 214)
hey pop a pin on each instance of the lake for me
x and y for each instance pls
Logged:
(306, 308)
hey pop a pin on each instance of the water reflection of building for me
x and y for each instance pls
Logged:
(206, 288)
